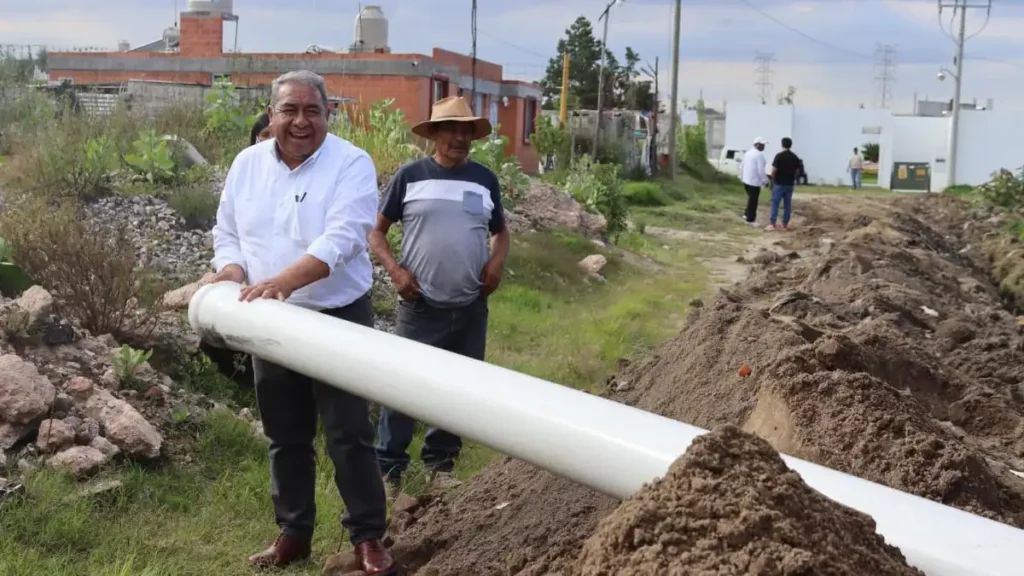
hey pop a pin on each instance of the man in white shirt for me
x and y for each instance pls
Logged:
(856, 166)
(293, 223)
(754, 176)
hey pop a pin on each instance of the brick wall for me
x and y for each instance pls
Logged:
(97, 77)
(484, 70)
(513, 125)
(201, 35)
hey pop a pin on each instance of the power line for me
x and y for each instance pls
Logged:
(516, 46)
(797, 31)
(764, 74)
(884, 68)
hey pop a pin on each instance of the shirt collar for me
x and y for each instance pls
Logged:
(312, 158)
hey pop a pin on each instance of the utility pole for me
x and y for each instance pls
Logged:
(653, 73)
(960, 8)
(564, 106)
(673, 109)
(473, 18)
(764, 74)
(600, 78)
(884, 53)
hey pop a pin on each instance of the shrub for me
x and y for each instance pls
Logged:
(645, 194)
(552, 139)
(92, 271)
(383, 133)
(491, 153)
(228, 121)
(1005, 190)
(69, 158)
(151, 157)
(196, 203)
(598, 187)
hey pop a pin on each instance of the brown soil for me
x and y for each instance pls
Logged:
(731, 506)
(879, 346)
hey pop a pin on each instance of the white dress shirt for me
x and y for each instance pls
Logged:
(270, 216)
(753, 168)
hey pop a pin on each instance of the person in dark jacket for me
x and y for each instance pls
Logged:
(260, 130)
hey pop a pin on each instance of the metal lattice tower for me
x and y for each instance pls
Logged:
(764, 75)
(885, 66)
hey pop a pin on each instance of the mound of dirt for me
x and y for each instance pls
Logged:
(883, 350)
(731, 506)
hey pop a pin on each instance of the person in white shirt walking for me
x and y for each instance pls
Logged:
(293, 223)
(754, 176)
(856, 167)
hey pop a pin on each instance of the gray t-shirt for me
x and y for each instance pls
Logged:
(446, 215)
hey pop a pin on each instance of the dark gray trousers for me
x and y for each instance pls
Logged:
(289, 404)
(460, 330)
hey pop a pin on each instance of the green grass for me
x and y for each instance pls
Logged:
(210, 508)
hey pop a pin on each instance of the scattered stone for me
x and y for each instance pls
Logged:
(123, 425)
(79, 388)
(99, 487)
(54, 435)
(245, 414)
(37, 302)
(87, 431)
(79, 460)
(61, 405)
(696, 303)
(593, 264)
(179, 299)
(342, 564)
(109, 380)
(25, 395)
(105, 447)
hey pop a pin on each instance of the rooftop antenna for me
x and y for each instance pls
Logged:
(359, 16)
(175, 13)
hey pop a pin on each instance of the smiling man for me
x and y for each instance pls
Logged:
(448, 206)
(293, 223)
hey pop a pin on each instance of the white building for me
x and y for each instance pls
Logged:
(825, 138)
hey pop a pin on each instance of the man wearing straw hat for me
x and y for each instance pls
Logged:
(448, 205)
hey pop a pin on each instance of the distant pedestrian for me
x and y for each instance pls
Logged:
(754, 177)
(856, 167)
(448, 205)
(785, 169)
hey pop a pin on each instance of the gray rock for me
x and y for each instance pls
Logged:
(25, 394)
(79, 460)
(87, 431)
(54, 435)
(123, 425)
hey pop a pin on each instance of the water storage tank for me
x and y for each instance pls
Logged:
(370, 31)
(123, 46)
(223, 7)
(172, 36)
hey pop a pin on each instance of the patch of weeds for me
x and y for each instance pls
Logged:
(645, 194)
(126, 362)
(196, 204)
(201, 375)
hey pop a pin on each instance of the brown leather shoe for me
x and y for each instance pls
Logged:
(284, 551)
(375, 559)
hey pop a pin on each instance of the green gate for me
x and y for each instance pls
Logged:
(911, 176)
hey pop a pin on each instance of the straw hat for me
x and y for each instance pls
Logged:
(453, 109)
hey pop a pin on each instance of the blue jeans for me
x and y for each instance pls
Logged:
(784, 194)
(460, 330)
(855, 177)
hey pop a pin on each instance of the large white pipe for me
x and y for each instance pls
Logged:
(610, 447)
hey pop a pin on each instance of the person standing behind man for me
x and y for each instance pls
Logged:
(447, 205)
(293, 222)
(856, 166)
(754, 177)
(785, 168)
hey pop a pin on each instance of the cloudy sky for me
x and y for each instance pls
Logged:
(825, 48)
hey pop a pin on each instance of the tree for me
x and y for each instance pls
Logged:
(621, 85)
(871, 150)
(584, 61)
(789, 96)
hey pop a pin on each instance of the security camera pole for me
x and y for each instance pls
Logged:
(962, 6)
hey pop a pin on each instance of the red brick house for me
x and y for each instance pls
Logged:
(414, 81)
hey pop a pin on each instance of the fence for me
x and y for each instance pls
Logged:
(610, 447)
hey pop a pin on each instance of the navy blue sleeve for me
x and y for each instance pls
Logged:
(394, 197)
(497, 223)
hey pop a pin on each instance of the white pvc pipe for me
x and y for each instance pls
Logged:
(607, 446)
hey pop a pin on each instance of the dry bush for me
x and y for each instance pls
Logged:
(92, 271)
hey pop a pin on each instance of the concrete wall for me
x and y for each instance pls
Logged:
(914, 139)
(825, 140)
(745, 123)
(989, 140)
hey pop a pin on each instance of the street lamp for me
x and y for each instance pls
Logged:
(600, 78)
